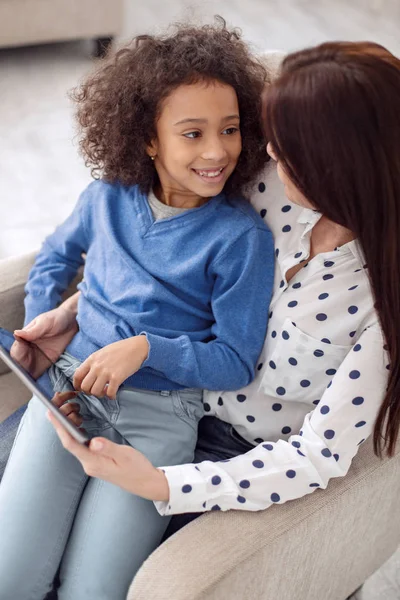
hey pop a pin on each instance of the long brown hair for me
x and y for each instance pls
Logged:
(333, 119)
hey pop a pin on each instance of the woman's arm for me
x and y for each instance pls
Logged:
(275, 472)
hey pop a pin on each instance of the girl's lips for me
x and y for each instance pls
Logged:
(210, 176)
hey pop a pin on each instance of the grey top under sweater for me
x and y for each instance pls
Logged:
(161, 210)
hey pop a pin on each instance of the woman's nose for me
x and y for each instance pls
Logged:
(270, 151)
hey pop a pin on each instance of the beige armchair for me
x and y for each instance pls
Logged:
(320, 547)
(25, 22)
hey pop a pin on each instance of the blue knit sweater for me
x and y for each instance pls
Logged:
(198, 284)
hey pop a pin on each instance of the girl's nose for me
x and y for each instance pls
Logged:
(215, 151)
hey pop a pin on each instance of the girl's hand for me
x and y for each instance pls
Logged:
(105, 370)
(51, 332)
(121, 465)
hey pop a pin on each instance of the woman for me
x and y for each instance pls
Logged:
(328, 375)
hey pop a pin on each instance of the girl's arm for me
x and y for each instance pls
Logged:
(275, 472)
(58, 261)
(242, 292)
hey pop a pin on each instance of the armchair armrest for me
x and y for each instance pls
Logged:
(321, 546)
(13, 275)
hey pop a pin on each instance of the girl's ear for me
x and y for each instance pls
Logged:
(151, 149)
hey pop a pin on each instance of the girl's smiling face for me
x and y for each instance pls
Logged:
(198, 142)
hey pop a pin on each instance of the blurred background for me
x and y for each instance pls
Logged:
(47, 46)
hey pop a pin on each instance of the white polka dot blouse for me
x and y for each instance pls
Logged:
(320, 378)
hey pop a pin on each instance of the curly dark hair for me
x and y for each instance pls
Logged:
(119, 104)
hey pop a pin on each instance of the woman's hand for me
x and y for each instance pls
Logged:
(51, 332)
(105, 370)
(70, 409)
(121, 465)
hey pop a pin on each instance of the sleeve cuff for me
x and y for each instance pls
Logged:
(35, 307)
(187, 490)
(161, 356)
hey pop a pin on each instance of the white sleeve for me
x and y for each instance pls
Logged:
(274, 472)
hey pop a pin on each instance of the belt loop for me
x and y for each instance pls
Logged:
(165, 393)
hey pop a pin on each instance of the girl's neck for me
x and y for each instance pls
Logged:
(177, 199)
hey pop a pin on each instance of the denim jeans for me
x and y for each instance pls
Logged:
(52, 513)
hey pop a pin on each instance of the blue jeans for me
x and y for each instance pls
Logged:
(52, 513)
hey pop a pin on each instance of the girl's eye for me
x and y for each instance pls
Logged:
(230, 130)
(191, 135)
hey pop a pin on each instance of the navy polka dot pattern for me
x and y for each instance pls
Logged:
(321, 317)
(358, 400)
(268, 447)
(354, 374)
(318, 382)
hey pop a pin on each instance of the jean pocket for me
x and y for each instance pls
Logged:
(188, 405)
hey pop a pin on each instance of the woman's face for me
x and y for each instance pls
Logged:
(291, 191)
(198, 142)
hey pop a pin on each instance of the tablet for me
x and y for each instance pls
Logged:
(31, 384)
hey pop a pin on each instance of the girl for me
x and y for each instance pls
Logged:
(172, 251)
